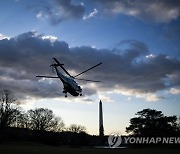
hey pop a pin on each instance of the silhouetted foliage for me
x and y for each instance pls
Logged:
(153, 123)
(44, 119)
(178, 123)
(76, 128)
(41, 125)
(21, 120)
(59, 125)
(8, 108)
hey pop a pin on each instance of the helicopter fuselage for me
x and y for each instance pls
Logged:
(69, 84)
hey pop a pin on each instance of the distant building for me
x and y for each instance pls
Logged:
(101, 127)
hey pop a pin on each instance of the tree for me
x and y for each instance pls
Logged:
(152, 123)
(21, 120)
(178, 124)
(43, 119)
(8, 108)
(58, 125)
(76, 128)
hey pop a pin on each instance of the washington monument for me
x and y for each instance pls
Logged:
(101, 128)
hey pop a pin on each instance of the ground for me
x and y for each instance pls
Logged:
(36, 148)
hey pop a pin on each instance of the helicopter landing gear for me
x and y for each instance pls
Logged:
(65, 93)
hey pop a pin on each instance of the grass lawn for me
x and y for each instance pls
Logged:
(36, 148)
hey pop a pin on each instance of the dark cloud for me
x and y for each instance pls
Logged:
(131, 67)
(58, 11)
(161, 11)
(70, 10)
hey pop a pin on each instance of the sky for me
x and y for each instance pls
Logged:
(137, 42)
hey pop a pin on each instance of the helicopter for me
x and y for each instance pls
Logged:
(69, 83)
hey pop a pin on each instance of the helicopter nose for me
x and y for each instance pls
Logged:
(79, 88)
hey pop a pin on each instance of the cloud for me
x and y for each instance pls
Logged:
(40, 15)
(148, 96)
(104, 98)
(129, 70)
(3, 37)
(58, 11)
(175, 91)
(152, 97)
(90, 15)
(69, 9)
(51, 38)
(160, 11)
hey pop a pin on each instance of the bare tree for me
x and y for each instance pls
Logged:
(76, 128)
(21, 120)
(8, 108)
(178, 123)
(43, 119)
(58, 125)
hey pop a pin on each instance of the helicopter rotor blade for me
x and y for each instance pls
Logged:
(88, 69)
(62, 67)
(44, 76)
(87, 80)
